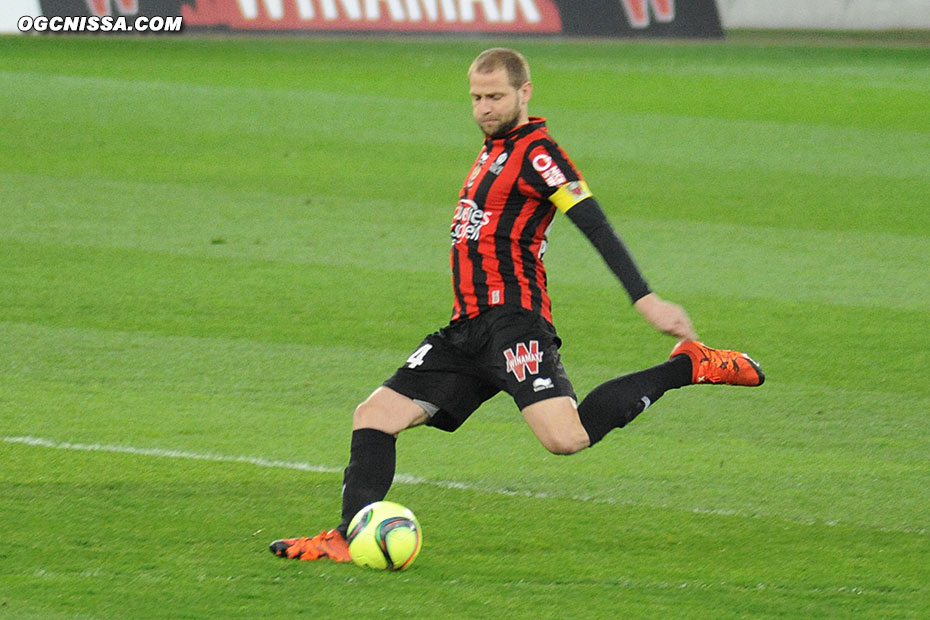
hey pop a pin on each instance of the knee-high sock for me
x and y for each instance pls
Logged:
(617, 402)
(370, 472)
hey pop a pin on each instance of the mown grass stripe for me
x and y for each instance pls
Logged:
(399, 478)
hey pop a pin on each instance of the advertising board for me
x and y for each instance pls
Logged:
(594, 18)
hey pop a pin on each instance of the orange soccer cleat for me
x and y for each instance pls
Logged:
(719, 365)
(329, 544)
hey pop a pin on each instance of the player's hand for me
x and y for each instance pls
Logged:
(666, 317)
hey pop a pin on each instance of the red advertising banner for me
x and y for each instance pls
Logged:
(529, 16)
(593, 18)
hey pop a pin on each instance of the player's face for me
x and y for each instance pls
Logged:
(497, 106)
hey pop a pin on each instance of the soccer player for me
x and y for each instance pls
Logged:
(501, 335)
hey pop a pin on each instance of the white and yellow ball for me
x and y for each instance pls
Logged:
(384, 535)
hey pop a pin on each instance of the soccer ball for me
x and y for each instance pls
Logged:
(385, 536)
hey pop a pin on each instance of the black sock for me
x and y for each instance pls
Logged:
(369, 474)
(617, 402)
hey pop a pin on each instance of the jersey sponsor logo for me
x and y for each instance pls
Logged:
(472, 177)
(550, 171)
(637, 11)
(468, 221)
(525, 359)
(498, 164)
(477, 169)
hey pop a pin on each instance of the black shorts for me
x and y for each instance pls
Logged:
(470, 360)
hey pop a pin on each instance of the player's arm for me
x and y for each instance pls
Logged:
(575, 200)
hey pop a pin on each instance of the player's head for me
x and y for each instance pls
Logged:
(513, 62)
(500, 88)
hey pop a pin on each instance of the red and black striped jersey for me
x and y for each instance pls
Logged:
(503, 216)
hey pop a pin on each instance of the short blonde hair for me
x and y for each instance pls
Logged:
(490, 60)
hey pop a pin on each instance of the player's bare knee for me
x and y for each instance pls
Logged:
(389, 412)
(371, 415)
(363, 415)
(564, 446)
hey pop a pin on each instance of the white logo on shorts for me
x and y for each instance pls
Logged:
(542, 384)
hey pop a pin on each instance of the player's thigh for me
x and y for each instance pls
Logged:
(388, 411)
(445, 380)
(556, 424)
(523, 357)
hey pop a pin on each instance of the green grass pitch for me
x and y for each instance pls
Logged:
(211, 250)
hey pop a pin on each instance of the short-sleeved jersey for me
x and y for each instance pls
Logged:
(502, 219)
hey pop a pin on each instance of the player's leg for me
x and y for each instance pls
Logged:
(525, 357)
(372, 454)
(433, 387)
(556, 424)
(436, 387)
(564, 428)
(389, 412)
(617, 402)
(369, 474)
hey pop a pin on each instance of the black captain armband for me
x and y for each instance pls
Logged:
(588, 216)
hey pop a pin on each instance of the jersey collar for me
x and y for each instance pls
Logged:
(534, 123)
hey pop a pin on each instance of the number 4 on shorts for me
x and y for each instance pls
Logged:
(416, 359)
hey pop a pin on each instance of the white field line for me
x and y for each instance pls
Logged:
(170, 454)
(399, 478)
(257, 461)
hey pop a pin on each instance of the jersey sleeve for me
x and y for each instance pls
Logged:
(548, 169)
(588, 216)
(554, 177)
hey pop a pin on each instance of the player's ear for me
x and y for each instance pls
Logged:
(526, 91)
